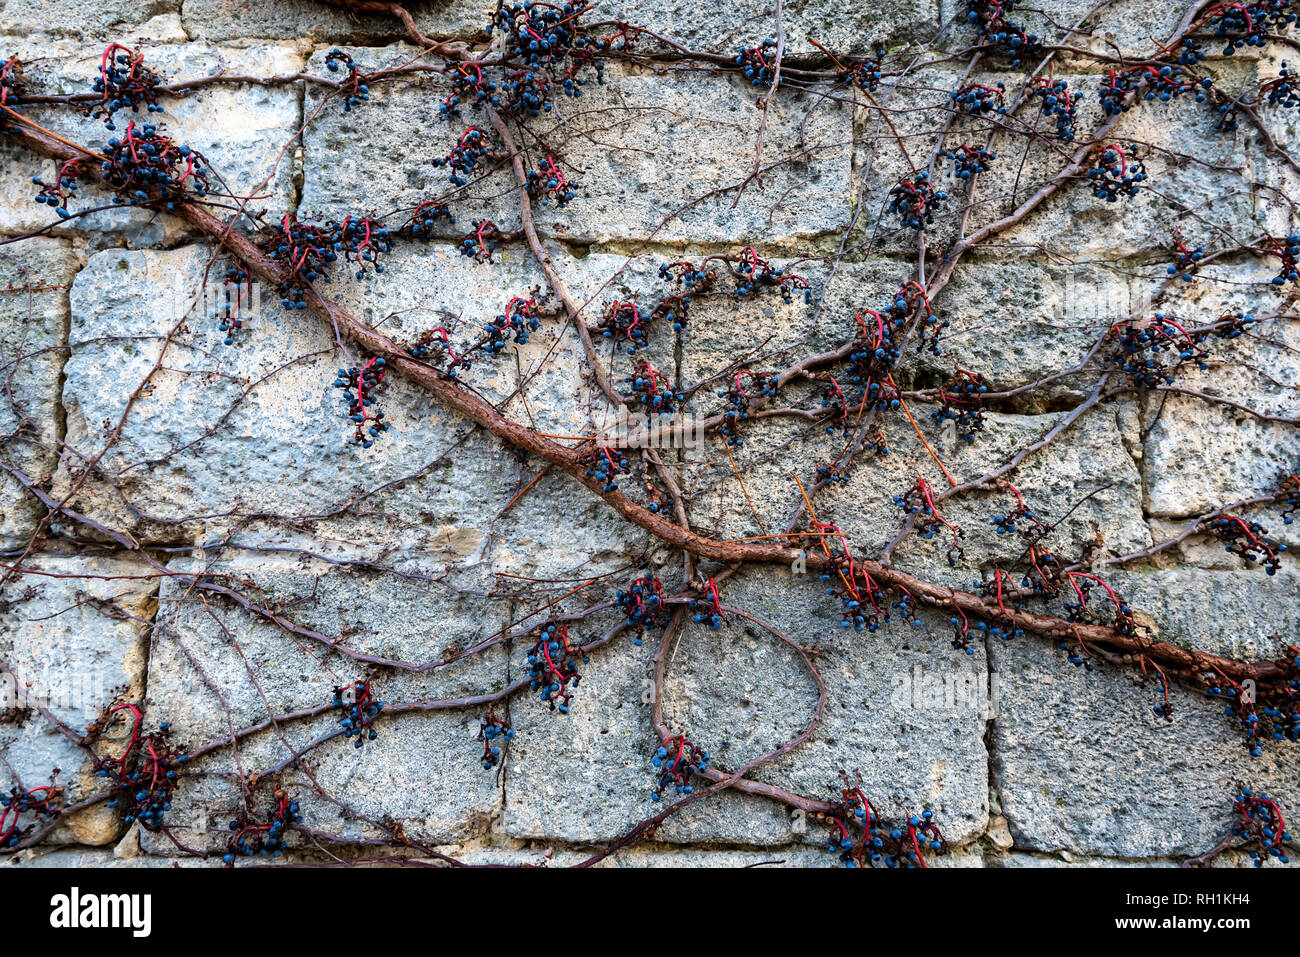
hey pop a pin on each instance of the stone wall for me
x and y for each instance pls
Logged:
(171, 459)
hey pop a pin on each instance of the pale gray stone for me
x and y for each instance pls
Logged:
(718, 28)
(1236, 457)
(1083, 765)
(653, 163)
(921, 746)
(122, 20)
(73, 636)
(1242, 614)
(33, 323)
(245, 132)
(213, 666)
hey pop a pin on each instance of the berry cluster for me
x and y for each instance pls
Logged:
(1247, 540)
(653, 390)
(39, 802)
(1144, 346)
(433, 346)
(362, 241)
(464, 157)
(753, 274)
(624, 320)
(539, 33)
(1259, 822)
(708, 607)
(144, 166)
(919, 501)
(977, 98)
(1058, 103)
(676, 761)
(64, 188)
(860, 589)
(520, 320)
(1249, 24)
(359, 385)
(424, 219)
(763, 384)
(604, 463)
(996, 589)
(836, 404)
(757, 63)
(1241, 705)
(676, 308)
(553, 667)
(255, 836)
(528, 92)
(1188, 262)
(968, 161)
(237, 289)
(1006, 38)
(550, 185)
(1282, 91)
(309, 249)
(644, 603)
(467, 83)
(359, 709)
(683, 273)
(491, 730)
(543, 36)
(871, 363)
(143, 776)
(1006, 524)
(354, 91)
(1150, 81)
(482, 241)
(124, 82)
(1117, 173)
(961, 401)
(914, 201)
(865, 74)
(895, 847)
(1288, 251)
(1079, 610)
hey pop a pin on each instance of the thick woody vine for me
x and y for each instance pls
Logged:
(490, 87)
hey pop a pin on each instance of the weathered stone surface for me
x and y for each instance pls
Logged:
(841, 25)
(122, 20)
(1239, 452)
(1016, 322)
(1054, 481)
(242, 130)
(1198, 199)
(1239, 614)
(239, 455)
(740, 693)
(718, 28)
(214, 666)
(1125, 28)
(1083, 765)
(34, 280)
(656, 156)
(1235, 457)
(222, 20)
(286, 445)
(73, 633)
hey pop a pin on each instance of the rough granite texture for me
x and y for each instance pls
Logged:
(232, 466)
